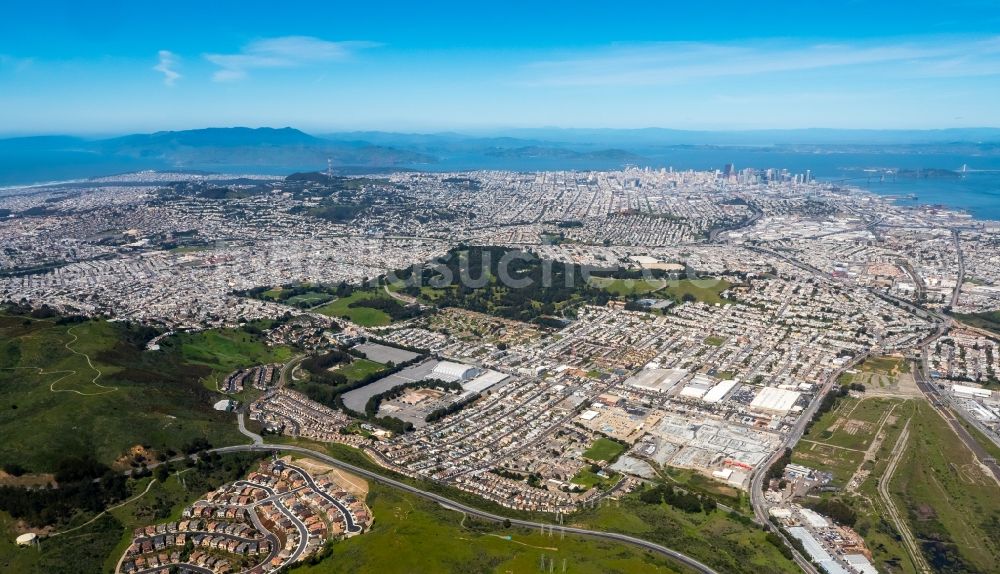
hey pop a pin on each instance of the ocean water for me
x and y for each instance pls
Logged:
(31, 168)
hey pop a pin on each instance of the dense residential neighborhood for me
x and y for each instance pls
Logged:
(548, 342)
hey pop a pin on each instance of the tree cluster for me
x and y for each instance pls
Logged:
(678, 498)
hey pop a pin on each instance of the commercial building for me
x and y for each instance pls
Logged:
(656, 380)
(775, 400)
(449, 372)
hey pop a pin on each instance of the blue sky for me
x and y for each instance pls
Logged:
(426, 66)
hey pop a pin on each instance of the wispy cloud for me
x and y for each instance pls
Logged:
(283, 52)
(686, 62)
(166, 66)
(15, 63)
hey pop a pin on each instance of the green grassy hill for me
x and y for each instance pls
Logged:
(90, 388)
(413, 535)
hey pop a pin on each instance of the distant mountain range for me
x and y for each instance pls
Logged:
(219, 148)
(671, 137)
(283, 150)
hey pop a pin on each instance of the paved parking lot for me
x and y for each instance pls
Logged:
(383, 353)
(358, 398)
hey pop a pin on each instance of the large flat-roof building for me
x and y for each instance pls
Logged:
(972, 392)
(719, 391)
(656, 380)
(775, 400)
(484, 381)
(450, 372)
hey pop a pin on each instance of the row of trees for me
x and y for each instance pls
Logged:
(320, 364)
(84, 485)
(440, 413)
(328, 388)
(375, 401)
(390, 307)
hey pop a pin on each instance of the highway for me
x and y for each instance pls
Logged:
(457, 506)
(287, 368)
(713, 234)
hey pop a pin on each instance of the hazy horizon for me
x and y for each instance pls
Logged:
(500, 131)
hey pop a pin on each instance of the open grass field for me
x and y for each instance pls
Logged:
(814, 451)
(950, 503)
(82, 552)
(988, 320)
(837, 442)
(697, 482)
(874, 523)
(224, 350)
(716, 539)
(271, 294)
(104, 393)
(604, 449)
(842, 463)
(413, 535)
(311, 298)
(944, 497)
(704, 290)
(589, 479)
(364, 316)
(885, 365)
(887, 376)
(725, 543)
(623, 287)
(359, 369)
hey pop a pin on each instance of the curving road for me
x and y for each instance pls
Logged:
(453, 505)
(272, 497)
(256, 438)
(351, 527)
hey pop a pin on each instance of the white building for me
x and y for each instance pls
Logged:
(775, 400)
(449, 372)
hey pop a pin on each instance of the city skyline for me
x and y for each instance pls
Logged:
(67, 69)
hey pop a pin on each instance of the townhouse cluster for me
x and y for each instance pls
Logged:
(294, 414)
(280, 514)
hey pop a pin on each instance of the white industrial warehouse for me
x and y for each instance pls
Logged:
(775, 400)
